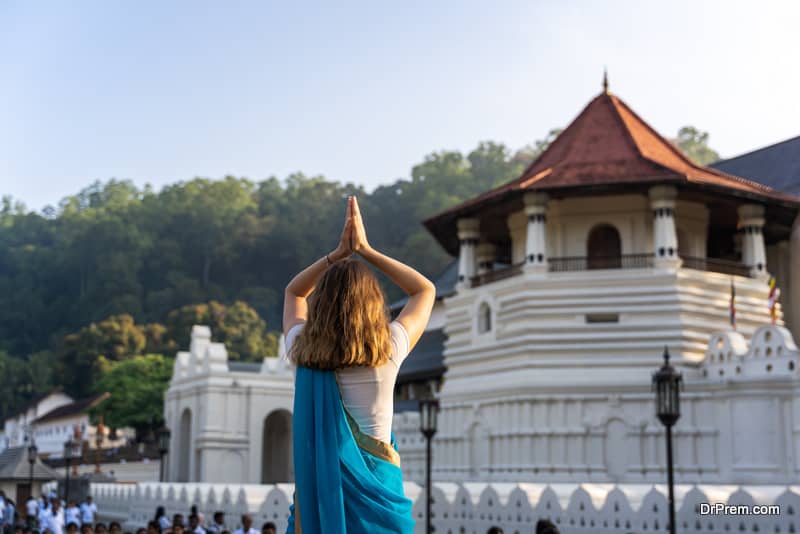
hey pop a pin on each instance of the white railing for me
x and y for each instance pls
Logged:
(471, 508)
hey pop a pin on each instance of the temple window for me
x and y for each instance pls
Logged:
(604, 248)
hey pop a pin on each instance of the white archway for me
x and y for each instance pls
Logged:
(277, 462)
(184, 445)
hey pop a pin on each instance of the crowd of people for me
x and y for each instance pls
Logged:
(48, 515)
(196, 524)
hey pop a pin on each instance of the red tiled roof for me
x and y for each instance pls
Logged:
(609, 144)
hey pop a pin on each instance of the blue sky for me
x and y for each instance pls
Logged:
(158, 92)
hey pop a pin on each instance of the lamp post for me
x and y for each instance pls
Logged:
(667, 384)
(70, 447)
(428, 410)
(163, 449)
(32, 451)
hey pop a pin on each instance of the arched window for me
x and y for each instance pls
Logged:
(484, 318)
(604, 248)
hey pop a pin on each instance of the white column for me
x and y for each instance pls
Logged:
(754, 254)
(486, 253)
(468, 240)
(536, 238)
(794, 278)
(665, 238)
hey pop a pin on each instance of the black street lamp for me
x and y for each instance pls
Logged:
(32, 452)
(667, 384)
(428, 410)
(163, 449)
(70, 452)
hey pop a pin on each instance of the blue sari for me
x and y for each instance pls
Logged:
(345, 481)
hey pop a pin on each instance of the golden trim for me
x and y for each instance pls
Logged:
(298, 529)
(372, 445)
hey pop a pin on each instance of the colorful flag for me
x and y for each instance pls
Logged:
(774, 294)
(733, 306)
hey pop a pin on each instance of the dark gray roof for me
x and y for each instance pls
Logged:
(410, 405)
(426, 360)
(75, 408)
(244, 367)
(14, 466)
(445, 284)
(777, 166)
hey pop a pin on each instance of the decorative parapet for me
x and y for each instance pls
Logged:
(473, 507)
(208, 358)
(771, 354)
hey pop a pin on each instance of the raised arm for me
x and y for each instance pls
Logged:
(421, 291)
(295, 307)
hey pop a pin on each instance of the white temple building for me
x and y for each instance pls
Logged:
(569, 283)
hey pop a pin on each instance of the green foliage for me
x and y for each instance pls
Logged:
(238, 326)
(11, 389)
(694, 144)
(114, 339)
(100, 275)
(137, 387)
(83, 354)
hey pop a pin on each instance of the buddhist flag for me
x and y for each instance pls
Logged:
(733, 306)
(774, 294)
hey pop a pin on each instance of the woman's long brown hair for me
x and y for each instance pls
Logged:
(348, 321)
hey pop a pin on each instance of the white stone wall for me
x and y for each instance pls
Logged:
(559, 422)
(473, 507)
(16, 427)
(218, 417)
(570, 220)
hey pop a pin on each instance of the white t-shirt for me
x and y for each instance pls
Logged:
(88, 511)
(368, 392)
(54, 521)
(32, 507)
(72, 514)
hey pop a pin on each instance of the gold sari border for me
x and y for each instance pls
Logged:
(374, 446)
(298, 529)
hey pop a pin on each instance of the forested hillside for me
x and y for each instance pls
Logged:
(101, 291)
(116, 272)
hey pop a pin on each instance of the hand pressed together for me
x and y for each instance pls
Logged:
(354, 236)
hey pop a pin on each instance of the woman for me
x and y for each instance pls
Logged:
(347, 353)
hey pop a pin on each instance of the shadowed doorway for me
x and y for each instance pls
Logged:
(276, 449)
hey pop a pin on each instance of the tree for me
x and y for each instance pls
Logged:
(100, 274)
(694, 144)
(137, 387)
(114, 339)
(238, 326)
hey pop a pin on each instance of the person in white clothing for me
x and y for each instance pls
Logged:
(88, 511)
(194, 525)
(55, 517)
(247, 526)
(162, 520)
(218, 524)
(44, 512)
(340, 336)
(72, 514)
(32, 511)
(3, 514)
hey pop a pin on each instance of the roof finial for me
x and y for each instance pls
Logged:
(605, 80)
